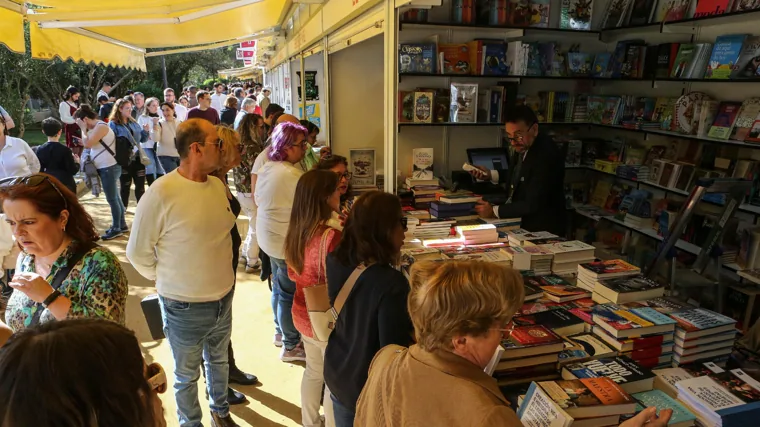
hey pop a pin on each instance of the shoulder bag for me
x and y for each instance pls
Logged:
(144, 159)
(322, 315)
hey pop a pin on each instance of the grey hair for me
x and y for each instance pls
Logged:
(248, 102)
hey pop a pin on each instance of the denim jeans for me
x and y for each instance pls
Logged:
(169, 163)
(283, 290)
(109, 177)
(344, 417)
(197, 332)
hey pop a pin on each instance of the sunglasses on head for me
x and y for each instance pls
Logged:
(32, 181)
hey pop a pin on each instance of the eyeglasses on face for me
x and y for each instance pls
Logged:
(345, 175)
(218, 143)
(520, 137)
(32, 181)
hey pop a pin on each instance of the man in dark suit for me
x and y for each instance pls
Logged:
(535, 180)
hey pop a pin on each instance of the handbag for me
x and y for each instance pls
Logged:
(144, 158)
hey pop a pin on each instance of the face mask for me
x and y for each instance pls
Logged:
(494, 360)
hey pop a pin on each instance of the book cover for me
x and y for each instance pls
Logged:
(454, 58)
(641, 12)
(624, 285)
(539, 13)
(530, 336)
(519, 13)
(749, 112)
(711, 8)
(576, 14)
(725, 54)
(662, 401)
(423, 107)
(649, 313)
(724, 120)
(417, 58)
(739, 383)
(708, 393)
(592, 345)
(684, 57)
(616, 14)
(747, 64)
(540, 410)
(553, 319)
(675, 10)
(538, 306)
(565, 291)
(608, 267)
(620, 369)
(619, 318)
(667, 305)
(464, 103)
(698, 319)
(422, 163)
(585, 393)
(579, 63)
(601, 62)
(495, 59)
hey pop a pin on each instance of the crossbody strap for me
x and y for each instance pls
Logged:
(345, 291)
(77, 256)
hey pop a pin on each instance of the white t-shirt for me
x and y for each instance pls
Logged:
(143, 120)
(275, 189)
(167, 132)
(17, 158)
(217, 101)
(261, 159)
(105, 159)
(181, 238)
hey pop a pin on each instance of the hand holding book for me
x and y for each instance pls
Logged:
(649, 418)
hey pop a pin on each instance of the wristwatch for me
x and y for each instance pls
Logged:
(51, 298)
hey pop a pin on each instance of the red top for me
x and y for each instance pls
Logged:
(312, 274)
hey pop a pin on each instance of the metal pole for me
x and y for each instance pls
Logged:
(390, 94)
(163, 71)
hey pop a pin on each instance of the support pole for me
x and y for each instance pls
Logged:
(389, 95)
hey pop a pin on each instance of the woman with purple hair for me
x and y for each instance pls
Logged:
(275, 189)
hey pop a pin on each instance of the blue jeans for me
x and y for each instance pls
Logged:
(199, 331)
(169, 163)
(283, 290)
(155, 168)
(109, 177)
(344, 417)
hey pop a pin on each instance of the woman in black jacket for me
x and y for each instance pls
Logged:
(375, 313)
(229, 111)
(57, 159)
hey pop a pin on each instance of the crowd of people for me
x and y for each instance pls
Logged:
(399, 353)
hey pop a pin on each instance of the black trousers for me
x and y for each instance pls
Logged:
(134, 173)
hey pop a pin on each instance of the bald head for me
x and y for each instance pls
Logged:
(190, 131)
(288, 118)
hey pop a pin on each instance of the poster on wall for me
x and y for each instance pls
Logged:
(312, 113)
(312, 90)
(363, 168)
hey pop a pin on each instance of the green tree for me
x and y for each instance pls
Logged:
(183, 69)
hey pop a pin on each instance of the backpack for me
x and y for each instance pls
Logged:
(123, 154)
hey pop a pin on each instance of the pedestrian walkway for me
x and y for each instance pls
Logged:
(276, 402)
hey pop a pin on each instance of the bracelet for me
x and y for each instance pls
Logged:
(51, 298)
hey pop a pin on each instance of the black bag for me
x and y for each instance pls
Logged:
(152, 311)
(123, 154)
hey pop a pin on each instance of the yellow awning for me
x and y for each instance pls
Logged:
(48, 44)
(241, 73)
(114, 33)
(12, 30)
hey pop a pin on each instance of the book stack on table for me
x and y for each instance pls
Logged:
(590, 273)
(522, 237)
(477, 234)
(568, 255)
(722, 399)
(459, 208)
(530, 258)
(432, 228)
(530, 353)
(702, 334)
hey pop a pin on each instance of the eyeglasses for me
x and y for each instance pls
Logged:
(218, 143)
(346, 175)
(507, 332)
(519, 138)
(156, 377)
(32, 181)
(301, 144)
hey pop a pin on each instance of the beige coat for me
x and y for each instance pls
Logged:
(412, 387)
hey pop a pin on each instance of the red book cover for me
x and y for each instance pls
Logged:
(673, 53)
(607, 391)
(646, 342)
(475, 48)
(646, 353)
(456, 58)
(584, 313)
(532, 335)
(711, 7)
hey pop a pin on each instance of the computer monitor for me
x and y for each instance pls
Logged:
(490, 158)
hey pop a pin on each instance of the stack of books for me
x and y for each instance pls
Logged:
(568, 255)
(560, 320)
(522, 237)
(530, 258)
(667, 378)
(503, 224)
(557, 289)
(628, 289)
(702, 334)
(424, 191)
(726, 399)
(533, 290)
(587, 402)
(460, 211)
(629, 375)
(590, 273)
(637, 331)
(477, 234)
(428, 229)
(411, 255)
(534, 347)
(493, 255)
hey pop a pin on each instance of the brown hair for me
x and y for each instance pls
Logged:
(329, 162)
(455, 298)
(368, 234)
(116, 112)
(310, 210)
(230, 143)
(48, 202)
(231, 101)
(201, 94)
(85, 112)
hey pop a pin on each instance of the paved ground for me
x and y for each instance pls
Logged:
(276, 402)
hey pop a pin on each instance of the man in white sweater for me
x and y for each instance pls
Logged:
(181, 239)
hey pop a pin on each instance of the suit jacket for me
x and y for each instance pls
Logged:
(539, 194)
(413, 387)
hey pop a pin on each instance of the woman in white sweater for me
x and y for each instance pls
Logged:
(16, 157)
(148, 120)
(275, 189)
(165, 136)
(66, 111)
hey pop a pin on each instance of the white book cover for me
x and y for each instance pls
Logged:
(539, 410)
(706, 394)
(422, 163)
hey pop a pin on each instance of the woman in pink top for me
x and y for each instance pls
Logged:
(315, 230)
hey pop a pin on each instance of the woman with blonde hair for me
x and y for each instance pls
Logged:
(149, 121)
(314, 232)
(229, 159)
(124, 126)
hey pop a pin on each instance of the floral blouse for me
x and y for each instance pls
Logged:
(96, 286)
